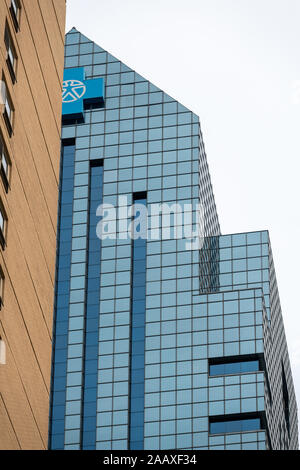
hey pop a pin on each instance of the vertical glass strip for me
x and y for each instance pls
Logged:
(62, 293)
(138, 318)
(89, 405)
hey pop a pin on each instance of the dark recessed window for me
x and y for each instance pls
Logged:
(3, 223)
(2, 278)
(5, 164)
(15, 10)
(224, 425)
(285, 399)
(11, 58)
(234, 366)
(8, 111)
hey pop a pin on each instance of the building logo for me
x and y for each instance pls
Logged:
(73, 90)
(78, 93)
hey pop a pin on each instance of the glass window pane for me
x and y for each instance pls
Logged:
(11, 55)
(249, 366)
(4, 160)
(8, 108)
(1, 221)
(233, 368)
(233, 426)
(217, 369)
(15, 7)
(250, 424)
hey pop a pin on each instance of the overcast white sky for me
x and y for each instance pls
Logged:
(235, 63)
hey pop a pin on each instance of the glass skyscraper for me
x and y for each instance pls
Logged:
(156, 345)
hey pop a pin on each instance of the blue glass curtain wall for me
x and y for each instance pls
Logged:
(138, 314)
(92, 312)
(63, 272)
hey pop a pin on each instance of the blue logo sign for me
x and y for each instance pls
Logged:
(73, 90)
(77, 92)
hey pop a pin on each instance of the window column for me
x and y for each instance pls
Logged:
(89, 421)
(61, 317)
(138, 318)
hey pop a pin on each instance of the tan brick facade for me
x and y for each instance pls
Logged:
(30, 205)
